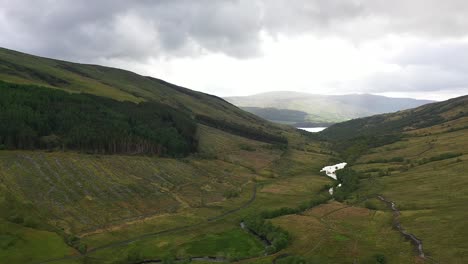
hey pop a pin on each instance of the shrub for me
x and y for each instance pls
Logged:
(439, 157)
(291, 260)
(246, 147)
(397, 159)
(350, 182)
(271, 249)
(445, 156)
(370, 205)
(231, 194)
(30, 222)
(82, 248)
(383, 173)
(380, 258)
(134, 255)
(7, 241)
(72, 240)
(17, 219)
(169, 259)
(278, 237)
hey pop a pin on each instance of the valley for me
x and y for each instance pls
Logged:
(152, 172)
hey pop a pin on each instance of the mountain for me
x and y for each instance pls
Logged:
(320, 108)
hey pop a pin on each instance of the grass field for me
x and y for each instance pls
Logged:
(338, 233)
(20, 244)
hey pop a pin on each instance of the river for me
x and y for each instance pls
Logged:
(330, 171)
(312, 129)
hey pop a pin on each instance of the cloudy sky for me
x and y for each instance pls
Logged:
(411, 48)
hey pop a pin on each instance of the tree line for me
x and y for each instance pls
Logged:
(33, 117)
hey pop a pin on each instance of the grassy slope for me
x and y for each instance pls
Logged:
(429, 192)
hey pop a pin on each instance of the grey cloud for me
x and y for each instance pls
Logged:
(450, 56)
(426, 67)
(417, 78)
(87, 29)
(136, 29)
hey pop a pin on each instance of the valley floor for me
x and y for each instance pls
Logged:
(123, 209)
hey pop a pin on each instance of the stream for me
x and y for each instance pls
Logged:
(264, 240)
(330, 171)
(396, 223)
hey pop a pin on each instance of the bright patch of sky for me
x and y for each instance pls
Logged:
(396, 48)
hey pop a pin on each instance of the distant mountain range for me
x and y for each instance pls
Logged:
(310, 109)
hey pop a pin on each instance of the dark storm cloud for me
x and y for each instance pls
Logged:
(140, 29)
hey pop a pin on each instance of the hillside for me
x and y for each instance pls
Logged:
(417, 159)
(320, 108)
(446, 113)
(121, 85)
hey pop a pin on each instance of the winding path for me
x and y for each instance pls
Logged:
(134, 239)
(247, 204)
(205, 259)
(396, 223)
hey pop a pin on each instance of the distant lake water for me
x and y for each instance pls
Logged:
(312, 129)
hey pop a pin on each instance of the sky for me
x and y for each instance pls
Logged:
(399, 48)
